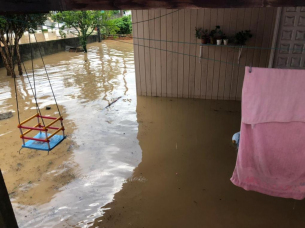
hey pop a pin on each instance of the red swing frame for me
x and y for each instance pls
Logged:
(41, 128)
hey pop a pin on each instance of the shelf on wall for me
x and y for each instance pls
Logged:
(232, 46)
(213, 45)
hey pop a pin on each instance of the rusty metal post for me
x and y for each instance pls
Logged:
(7, 216)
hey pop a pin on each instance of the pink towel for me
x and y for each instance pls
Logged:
(273, 95)
(271, 155)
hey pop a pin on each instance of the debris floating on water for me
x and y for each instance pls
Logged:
(5, 115)
(74, 49)
(111, 103)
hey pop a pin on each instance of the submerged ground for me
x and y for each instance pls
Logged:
(142, 162)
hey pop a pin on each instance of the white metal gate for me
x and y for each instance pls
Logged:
(290, 52)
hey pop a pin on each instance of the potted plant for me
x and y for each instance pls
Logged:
(202, 34)
(212, 33)
(218, 41)
(205, 37)
(216, 35)
(242, 37)
(225, 39)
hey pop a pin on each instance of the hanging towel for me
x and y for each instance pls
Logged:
(271, 154)
(273, 95)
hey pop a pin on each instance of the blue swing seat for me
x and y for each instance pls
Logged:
(37, 145)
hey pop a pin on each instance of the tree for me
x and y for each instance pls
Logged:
(52, 26)
(108, 25)
(125, 25)
(6, 50)
(84, 22)
(12, 28)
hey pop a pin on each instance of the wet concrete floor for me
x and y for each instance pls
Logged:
(143, 162)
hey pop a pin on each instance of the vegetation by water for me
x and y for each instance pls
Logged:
(13, 27)
(16, 24)
(124, 24)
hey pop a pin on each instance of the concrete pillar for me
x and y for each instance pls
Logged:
(7, 216)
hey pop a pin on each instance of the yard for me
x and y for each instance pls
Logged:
(142, 162)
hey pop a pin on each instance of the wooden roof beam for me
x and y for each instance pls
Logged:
(26, 6)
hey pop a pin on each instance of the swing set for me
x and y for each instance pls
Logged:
(45, 139)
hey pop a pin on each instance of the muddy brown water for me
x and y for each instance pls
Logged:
(144, 162)
(68, 186)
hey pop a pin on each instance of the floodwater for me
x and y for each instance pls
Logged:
(68, 186)
(143, 162)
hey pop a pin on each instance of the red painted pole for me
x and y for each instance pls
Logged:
(48, 117)
(54, 128)
(32, 128)
(35, 139)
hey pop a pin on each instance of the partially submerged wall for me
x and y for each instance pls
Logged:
(175, 70)
(49, 47)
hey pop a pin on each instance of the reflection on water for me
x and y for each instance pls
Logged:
(187, 160)
(105, 150)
